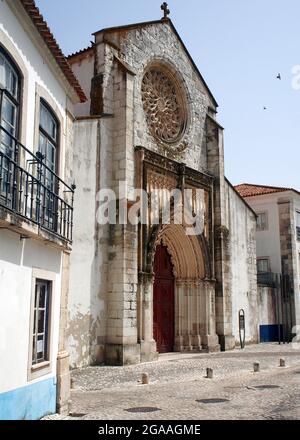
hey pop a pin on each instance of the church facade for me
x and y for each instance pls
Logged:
(138, 289)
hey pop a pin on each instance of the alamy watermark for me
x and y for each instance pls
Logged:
(159, 206)
(296, 77)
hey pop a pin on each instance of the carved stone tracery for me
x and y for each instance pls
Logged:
(164, 105)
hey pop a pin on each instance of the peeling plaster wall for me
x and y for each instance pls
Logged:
(88, 268)
(241, 276)
(84, 71)
(83, 286)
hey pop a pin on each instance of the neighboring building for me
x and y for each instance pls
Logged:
(37, 93)
(139, 290)
(278, 257)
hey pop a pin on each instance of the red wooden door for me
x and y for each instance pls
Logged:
(163, 301)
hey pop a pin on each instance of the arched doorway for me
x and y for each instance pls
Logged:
(163, 301)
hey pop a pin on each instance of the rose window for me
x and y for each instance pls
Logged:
(164, 105)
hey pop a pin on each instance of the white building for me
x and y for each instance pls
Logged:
(278, 256)
(37, 92)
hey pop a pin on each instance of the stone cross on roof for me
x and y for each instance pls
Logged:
(164, 7)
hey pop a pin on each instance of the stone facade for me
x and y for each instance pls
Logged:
(111, 302)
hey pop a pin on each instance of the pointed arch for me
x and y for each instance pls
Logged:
(189, 253)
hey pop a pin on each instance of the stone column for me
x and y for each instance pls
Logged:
(148, 344)
(63, 370)
(179, 286)
(210, 339)
(196, 338)
(215, 164)
(289, 256)
(187, 346)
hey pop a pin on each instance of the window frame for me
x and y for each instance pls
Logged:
(44, 103)
(37, 308)
(297, 227)
(41, 94)
(266, 228)
(16, 103)
(263, 259)
(16, 100)
(45, 367)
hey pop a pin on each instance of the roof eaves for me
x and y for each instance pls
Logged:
(46, 34)
(241, 197)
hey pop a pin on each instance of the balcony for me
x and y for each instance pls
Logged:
(32, 191)
(269, 279)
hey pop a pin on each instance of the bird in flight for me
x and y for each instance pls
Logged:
(278, 76)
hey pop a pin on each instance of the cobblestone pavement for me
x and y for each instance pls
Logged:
(178, 383)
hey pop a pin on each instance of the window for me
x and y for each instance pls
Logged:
(48, 146)
(262, 221)
(9, 118)
(263, 265)
(298, 225)
(48, 136)
(41, 322)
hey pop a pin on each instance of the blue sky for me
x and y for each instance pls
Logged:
(239, 46)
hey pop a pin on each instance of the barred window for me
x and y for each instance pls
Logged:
(262, 221)
(263, 265)
(10, 81)
(298, 225)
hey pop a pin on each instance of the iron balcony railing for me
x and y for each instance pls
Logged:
(267, 279)
(33, 191)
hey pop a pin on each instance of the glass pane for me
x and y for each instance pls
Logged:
(33, 350)
(34, 322)
(36, 296)
(40, 347)
(2, 71)
(14, 84)
(50, 156)
(8, 76)
(6, 143)
(262, 266)
(48, 150)
(298, 219)
(8, 111)
(42, 299)
(41, 321)
(8, 122)
(48, 123)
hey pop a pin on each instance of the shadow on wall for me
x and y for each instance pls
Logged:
(28, 252)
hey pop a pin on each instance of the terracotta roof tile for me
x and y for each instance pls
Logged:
(79, 52)
(43, 29)
(250, 190)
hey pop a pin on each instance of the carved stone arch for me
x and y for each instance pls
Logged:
(189, 254)
(207, 256)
